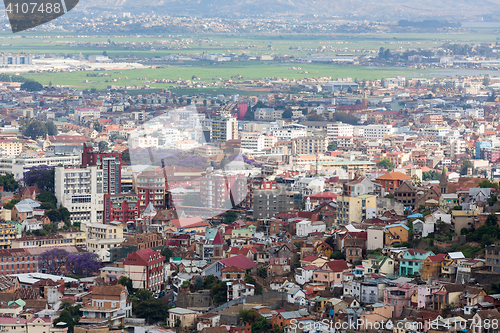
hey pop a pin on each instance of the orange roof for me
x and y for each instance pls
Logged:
(394, 175)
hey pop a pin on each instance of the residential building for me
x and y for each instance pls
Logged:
(239, 288)
(180, 317)
(110, 163)
(391, 181)
(406, 193)
(290, 132)
(311, 145)
(10, 148)
(377, 131)
(146, 270)
(492, 255)
(106, 305)
(395, 234)
(412, 261)
(100, 238)
(224, 129)
(339, 129)
(80, 190)
(269, 202)
(20, 164)
(355, 209)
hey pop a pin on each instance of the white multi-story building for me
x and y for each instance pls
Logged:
(100, 238)
(436, 131)
(394, 82)
(377, 131)
(455, 147)
(80, 190)
(339, 129)
(91, 113)
(18, 165)
(146, 141)
(291, 131)
(258, 142)
(239, 288)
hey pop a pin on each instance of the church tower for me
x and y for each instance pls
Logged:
(443, 182)
(218, 246)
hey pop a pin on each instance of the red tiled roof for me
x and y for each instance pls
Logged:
(238, 261)
(337, 265)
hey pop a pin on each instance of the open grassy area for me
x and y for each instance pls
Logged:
(212, 72)
(67, 43)
(238, 43)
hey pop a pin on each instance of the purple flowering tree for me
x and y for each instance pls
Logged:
(41, 176)
(83, 264)
(53, 261)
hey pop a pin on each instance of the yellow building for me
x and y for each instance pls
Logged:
(8, 233)
(356, 209)
(100, 238)
(10, 148)
(76, 237)
(395, 234)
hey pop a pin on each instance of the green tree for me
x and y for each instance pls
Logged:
(315, 117)
(153, 310)
(332, 146)
(188, 101)
(65, 215)
(167, 253)
(249, 115)
(103, 146)
(126, 282)
(51, 128)
(465, 166)
(198, 282)
(337, 255)
(181, 100)
(143, 294)
(385, 164)
(53, 215)
(230, 217)
(31, 86)
(8, 182)
(35, 129)
(488, 184)
(287, 114)
(9, 205)
(65, 317)
(219, 292)
(262, 272)
(47, 197)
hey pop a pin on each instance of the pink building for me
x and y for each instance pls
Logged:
(399, 296)
(331, 273)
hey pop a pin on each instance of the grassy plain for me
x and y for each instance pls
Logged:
(212, 72)
(297, 45)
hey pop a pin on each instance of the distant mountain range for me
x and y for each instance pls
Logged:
(362, 9)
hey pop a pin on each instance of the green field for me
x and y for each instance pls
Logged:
(214, 72)
(66, 43)
(297, 45)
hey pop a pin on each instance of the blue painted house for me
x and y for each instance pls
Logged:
(411, 262)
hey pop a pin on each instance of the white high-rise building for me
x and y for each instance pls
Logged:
(377, 131)
(20, 164)
(339, 129)
(80, 190)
